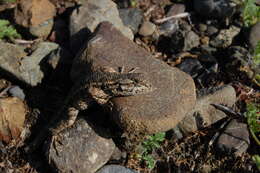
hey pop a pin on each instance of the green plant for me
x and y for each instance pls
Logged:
(7, 31)
(256, 159)
(7, 1)
(253, 120)
(251, 12)
(148, 146)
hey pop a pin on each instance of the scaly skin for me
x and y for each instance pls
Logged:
(98, 87)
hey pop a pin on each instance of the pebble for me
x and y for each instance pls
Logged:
(147, 28)
(16, 91)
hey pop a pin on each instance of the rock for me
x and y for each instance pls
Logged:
(214, 8)
(28, 69)
(239, 60)
(173, 92)
(79, 149)
(147, 28)
(225, 37)
(202, 27)
(131, 17)
(115, 169)
(12, 117)
(183, 39)
(32, 15)
(191, 66)
(86, 18)
(16, 91)
(117, 156)
(191, 40)
(212, 30)
(235, 138)
(204, 114)
(170, 26)
(254, 36)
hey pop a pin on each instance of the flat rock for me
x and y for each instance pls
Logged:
(235, 138)
(173, 95)
(79, 149)
(115, 169)
(92, 12)
(204, 114)
(12, 117)
(27, 69)
(32, 15)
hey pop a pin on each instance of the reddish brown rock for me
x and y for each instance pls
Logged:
(12, 117)
(172, 97)
(36, 15)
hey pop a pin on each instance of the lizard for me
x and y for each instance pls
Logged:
(98, 87)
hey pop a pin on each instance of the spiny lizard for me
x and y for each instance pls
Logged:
(99, 86)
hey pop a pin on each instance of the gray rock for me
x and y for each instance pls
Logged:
(254, 36)
(235, 138)
(170, 26)
(214, 8)
(16, 91)
(86, 18)
(79, 149)
(240, 60)
(25, 68)
(115, 169)
(131, 17)
(225, 37)
(147, 28)
(191, 40)
(212, 30)
(173, 92)
(204, 114)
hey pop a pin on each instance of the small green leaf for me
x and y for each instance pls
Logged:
(256, 159)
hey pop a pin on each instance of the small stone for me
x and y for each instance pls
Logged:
(212, 30)
(225, 37)
(254, 36)
(235, 138)
(16, 91)
(115, 169)
(32, 15)
(131, 17)
(204, 114)
(191, 66)
(147, 28)
(202, 27)
(191, 40)
(170, 26)
(80, 149)
(12, 117)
